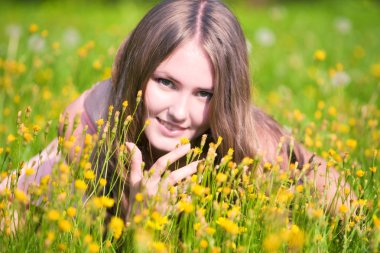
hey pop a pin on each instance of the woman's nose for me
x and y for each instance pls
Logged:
(179, 108)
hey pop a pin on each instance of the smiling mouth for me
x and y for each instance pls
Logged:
(170, 126)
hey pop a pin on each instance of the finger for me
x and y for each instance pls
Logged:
(164, 161)
(182, 173)
(136, 162)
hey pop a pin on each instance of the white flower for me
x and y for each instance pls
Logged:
(36, 43)
(13, 30)
(71, 37)
(265, 37)
(340, 78)
(342, 25)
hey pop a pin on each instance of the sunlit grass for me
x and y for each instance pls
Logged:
(316, 70)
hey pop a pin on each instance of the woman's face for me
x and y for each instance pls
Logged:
(177, 97)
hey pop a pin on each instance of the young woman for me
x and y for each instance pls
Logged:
(189, 59)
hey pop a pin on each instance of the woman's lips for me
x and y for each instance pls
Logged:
(170, 129)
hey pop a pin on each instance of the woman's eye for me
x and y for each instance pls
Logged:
(205, 94)
(165, 82)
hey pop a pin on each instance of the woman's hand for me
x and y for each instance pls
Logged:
(155, 183)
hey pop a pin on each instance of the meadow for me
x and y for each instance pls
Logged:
(315, 68)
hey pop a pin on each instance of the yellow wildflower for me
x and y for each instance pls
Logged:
(137, 218)
(139, 197)
(64, 168)
(125, 103)
(116, 227)
(11, 138)
(343, 209)
(100, 122)
(185, 206)
(33, 28)
(96, 64)
(296, 238)
(299, 188)
(93, 248)
(21, 196)
(64, 226)
(319, 55)
(29, 171)
(210, 230)
(221, 177)
(71, 211)
(375, 70)
(80, 185)
(198, 189)
(107, 202)
(228, 225)
(203, 244)
(102, 182)
(184, 141)
(360, 173)
(351, 143)
(376, 221)
(89, 174)
(272, 243)
(53, 215)
(159, 247)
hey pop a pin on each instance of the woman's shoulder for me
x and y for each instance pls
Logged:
(274, 140)
(97, 100)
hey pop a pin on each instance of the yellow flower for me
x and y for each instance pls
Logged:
(228, 225)
(93, 248)
(33, 28)
(89, 174)
(360, 173)
(53, 215)
(107, 202)
(102, 182)
(64, 226)
(198, 189)
(71, 211)
(64, 168)
(210, 230)
(100, 122)
(272, 243)
(116, 227)
(11, 138)
(351, 143)
(319, 55)
(372, 169)
(343, 209)
(299, 188)
(29, 171)
(139, 197)
(296, 238)
(137, 218)
(376, 221)
(184, 141)
(375, 70)
(97, 64)
(185, 206)
(203, 244)
(159, 247)
(21, 196)
(80, 185)
(221, 177)
(125, 103)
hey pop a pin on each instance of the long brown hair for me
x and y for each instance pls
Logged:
(217, 30)
(159, 33)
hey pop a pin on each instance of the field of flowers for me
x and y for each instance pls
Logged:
(315, 68)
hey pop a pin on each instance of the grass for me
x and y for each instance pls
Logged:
(315, 68)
